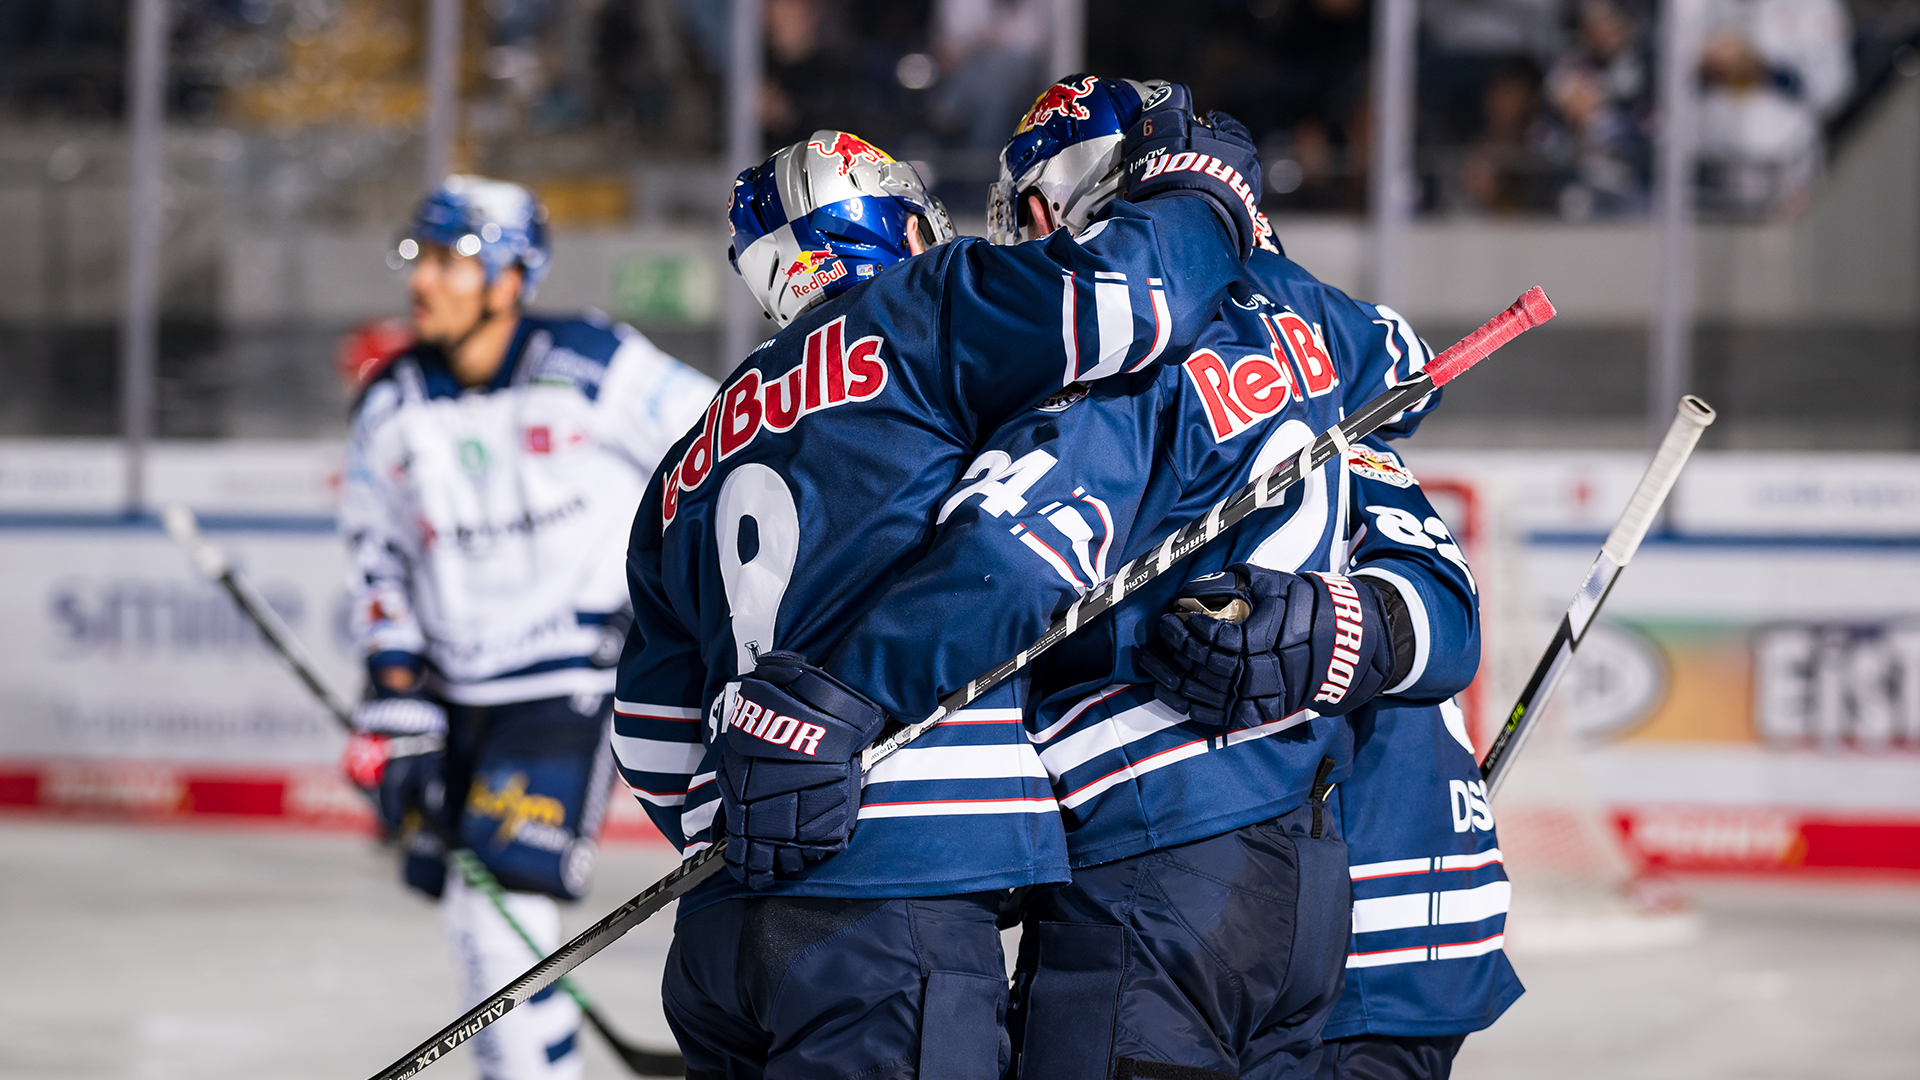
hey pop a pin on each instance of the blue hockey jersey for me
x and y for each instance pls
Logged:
(814, 482)
(1430, 890)
(1056, 503)
(1065, 495)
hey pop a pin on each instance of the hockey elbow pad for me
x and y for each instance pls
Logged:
(790, 767)
(1252, 646)
(1170, 149)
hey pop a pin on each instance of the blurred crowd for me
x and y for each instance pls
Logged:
(1525, 106)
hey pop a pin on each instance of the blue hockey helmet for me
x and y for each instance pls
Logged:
(821, 216)
(502, 224)
(1067, 151)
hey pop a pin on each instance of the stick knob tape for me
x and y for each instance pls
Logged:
(1532, 309)
(185, 530)
(1689, 421)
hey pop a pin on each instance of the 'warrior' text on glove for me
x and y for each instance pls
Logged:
(1170, 149)
(790, 767)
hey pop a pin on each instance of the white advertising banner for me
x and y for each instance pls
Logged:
(1751, 697)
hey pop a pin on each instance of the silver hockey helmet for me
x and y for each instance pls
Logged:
(823, 215)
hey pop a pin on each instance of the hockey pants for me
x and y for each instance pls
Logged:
(529, 782)
(1208, 961)
(802, 988)
(1388, 1057)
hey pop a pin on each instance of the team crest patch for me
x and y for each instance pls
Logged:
(1381, 465)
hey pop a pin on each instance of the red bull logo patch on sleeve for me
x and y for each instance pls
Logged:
(1381, 465)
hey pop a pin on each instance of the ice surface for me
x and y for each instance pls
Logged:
(155, 953)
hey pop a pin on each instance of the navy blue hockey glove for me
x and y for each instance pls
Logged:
(398, 752)
(1170, 149)
(1254, 645)
(790, 767)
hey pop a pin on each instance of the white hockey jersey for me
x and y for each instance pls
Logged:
(487, 527)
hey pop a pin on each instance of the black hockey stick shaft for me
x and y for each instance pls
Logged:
(1530, 310)
(210, 560)
(1622, 543)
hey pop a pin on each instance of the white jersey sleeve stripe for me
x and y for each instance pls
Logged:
(1471, 862)
(1431, 908)
(656, 756)
(641, 710)
(958, 763)
(1472, 905)
(1133, 770)
(1113, 306)
(967, 807)
(1109, 735)
(1422, 953)
(1387, 956)
(1047, 733)
(698, 819)
(1391, 912)
(1470, 948)
(1389, 868)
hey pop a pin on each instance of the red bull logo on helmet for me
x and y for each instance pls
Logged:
(1060, 99)
(851, 150)
(813, 270)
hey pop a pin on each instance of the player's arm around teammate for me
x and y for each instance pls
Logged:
(1061, 497)
(492, 471)
(775, 526)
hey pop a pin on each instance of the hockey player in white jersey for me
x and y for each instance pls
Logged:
(492, 473)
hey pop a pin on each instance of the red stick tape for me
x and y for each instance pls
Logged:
(1532, 309)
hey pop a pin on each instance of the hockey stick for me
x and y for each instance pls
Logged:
(1692, 418)
(1530, 310)
(211, 561)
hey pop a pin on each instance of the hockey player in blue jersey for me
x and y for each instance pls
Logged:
(1426, 967)
(1398, 1015)
(811, 485)
(1211, 821)
(492, 474)
(1411, 992)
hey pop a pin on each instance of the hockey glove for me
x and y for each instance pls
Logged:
(1170, 149)
(790, 767)
(1256, 645)
(398, 752)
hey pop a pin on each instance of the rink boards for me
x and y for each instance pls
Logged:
(1750, 700)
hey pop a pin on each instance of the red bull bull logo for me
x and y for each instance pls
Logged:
(811, 270)
(850, 149)
(1060, 99)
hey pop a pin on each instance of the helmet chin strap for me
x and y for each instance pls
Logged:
(487, 314)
